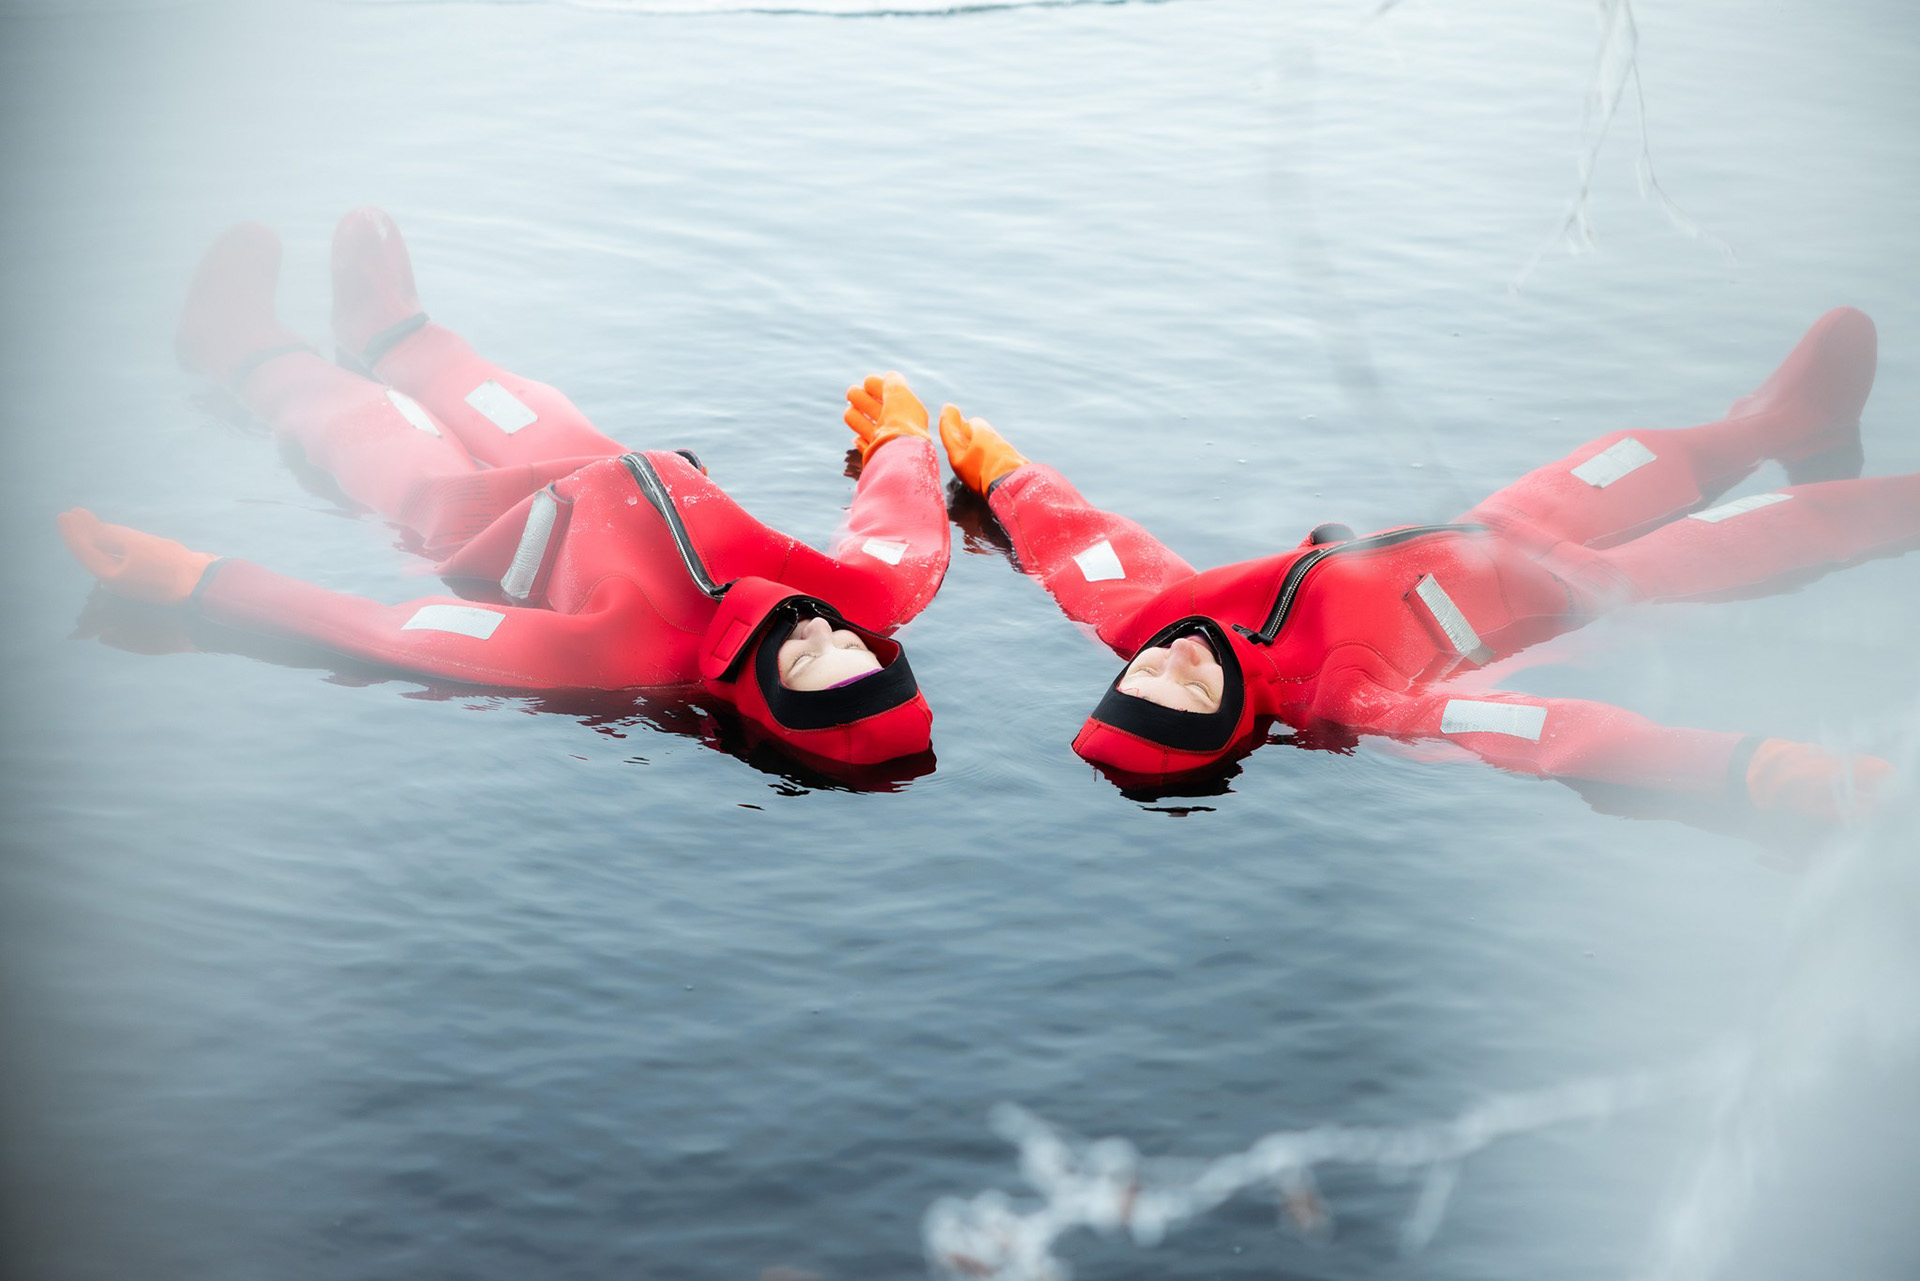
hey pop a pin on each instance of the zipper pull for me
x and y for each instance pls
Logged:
(1256, 637)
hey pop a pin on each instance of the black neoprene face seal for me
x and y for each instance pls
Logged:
(1182, 731)
(802, 709)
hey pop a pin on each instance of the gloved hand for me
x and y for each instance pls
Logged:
(1800, 778)
(129, 561)
(978, 454)
(882, 408)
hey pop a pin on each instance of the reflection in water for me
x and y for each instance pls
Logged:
(1616, 69)
(1109, 1188)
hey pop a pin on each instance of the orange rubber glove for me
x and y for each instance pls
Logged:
(1800, 778)
(978, 454)
(882, 408)
(129, 561)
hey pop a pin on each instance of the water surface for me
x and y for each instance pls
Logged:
(314, 971)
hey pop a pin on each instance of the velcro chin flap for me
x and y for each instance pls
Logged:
(740, 614)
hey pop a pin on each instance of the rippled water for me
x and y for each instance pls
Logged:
(315, 972)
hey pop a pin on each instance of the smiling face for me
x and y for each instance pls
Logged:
(1183, 675)
(816, 656)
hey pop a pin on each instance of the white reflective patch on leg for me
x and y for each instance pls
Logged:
(884, 549)
(1453, 623)
(502, 408)
(1726, 511)
(414, 412)
(1613, 462)
(1099, 563)
(532, 551)
(462, 620)
(1466, 716)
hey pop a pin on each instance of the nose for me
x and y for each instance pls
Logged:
(813, 629)
(1190, 652)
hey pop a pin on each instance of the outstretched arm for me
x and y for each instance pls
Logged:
(896, 529)
(1581, 741)
(1099, 566)
(444, 636)
(434, 636)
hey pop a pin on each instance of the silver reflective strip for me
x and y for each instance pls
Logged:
(1754, 502)
(501, 407)
(1613, 462)
(884, 549)
(462, 620)
(411, 410)
(1099, 562)
(517, 582)
(1460, 633)
(1466, 716)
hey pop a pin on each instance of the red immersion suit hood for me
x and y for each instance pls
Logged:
(1139, 741)
(876, 718)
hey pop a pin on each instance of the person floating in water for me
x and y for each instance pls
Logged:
(1373, 633)
(582, 565)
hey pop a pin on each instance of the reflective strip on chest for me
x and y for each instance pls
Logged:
(517, 582)
(501, 407)
(1519, 720)
(461, 620)
(1099, 563)
(1739, 506)
(415, 413)
(1616, 460)
(1459, 631)
(884, 549)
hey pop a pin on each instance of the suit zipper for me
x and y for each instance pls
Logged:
(655, 490)
(1298, 571)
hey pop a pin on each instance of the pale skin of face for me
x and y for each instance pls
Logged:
(1184, 676)
(817, 656)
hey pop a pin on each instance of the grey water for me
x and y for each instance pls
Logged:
(314, 971)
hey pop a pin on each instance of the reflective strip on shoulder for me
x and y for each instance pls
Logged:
(414, 412)
(1459, 631)
(1467, 716)
(884, 549)
(462, 620)
(1100, 563)
(1616, 460)
(517, 582)
(501, 407)
(1739, 506)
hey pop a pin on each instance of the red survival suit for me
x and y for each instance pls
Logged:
(1366, 632)
(618, 570)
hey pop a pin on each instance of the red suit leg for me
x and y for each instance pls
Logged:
(386, 451)
(1805, 415)
(382, 448)
(499, 417)
(1758, 544)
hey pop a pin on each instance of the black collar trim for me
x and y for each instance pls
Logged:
(1170, 727)
(803, 709)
